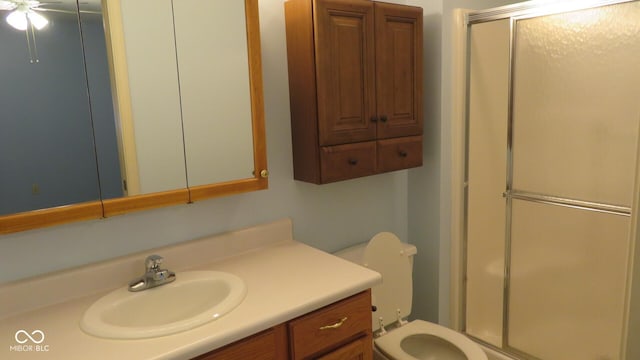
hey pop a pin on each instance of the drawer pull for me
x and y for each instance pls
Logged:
(403, 153)
(353, 161)
(334, 326)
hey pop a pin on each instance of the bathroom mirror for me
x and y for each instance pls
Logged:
(210, 144)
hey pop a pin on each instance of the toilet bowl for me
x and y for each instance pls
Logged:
(423, 340)
(395, 338)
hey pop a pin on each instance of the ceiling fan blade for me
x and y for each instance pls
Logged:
(7, 5)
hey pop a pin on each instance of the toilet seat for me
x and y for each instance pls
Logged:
(385, 254)
(391, 343)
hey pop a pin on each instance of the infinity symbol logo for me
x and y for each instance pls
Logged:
(29, 337)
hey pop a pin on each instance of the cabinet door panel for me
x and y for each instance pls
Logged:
(268, 345)
(345, 71)
(398, 70)
(360, 349)
(342, 162)
(399, 153)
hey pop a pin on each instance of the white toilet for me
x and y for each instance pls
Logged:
(399, 339)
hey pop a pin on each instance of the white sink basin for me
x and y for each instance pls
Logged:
(193, 299)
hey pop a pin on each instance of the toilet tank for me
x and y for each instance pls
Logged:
(395, 292)
(355, 253)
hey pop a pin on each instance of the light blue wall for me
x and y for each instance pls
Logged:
(423, 185)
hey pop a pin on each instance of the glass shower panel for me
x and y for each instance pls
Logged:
(575, 104)
(568, 277)
(488, 112)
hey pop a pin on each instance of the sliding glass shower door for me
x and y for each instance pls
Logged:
(554, 113)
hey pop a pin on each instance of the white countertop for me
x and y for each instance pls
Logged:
(285, 279)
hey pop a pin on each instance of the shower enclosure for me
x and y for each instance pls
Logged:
(551, 180)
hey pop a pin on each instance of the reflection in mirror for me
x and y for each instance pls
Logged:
(54, 98)
(145, 77)
(47, 155)
(188, 88)
(214, 86)
(102, 108)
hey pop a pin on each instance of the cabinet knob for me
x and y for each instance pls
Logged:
(402, 153)
(383, 118)
(374, 119)
(353, 161)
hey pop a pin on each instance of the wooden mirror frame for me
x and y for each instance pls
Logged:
(110, 207)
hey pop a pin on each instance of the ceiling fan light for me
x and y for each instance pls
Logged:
(18, 20)
(37, 20)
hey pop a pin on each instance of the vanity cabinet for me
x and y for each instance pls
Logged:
(355, 85)
(341, 330)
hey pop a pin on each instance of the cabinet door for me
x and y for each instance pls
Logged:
(345, 71)
(268, 345)
(348, 161)
(361, 349)
(399, 153)
(398, 70)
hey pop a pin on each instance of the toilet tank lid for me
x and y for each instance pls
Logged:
(355, 253)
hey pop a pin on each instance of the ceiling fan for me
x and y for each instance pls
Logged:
(23, 14)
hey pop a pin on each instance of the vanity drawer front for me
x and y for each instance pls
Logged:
(347, 161)
(331, 327)
(399, 153)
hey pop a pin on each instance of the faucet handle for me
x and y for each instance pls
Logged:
(153, 262)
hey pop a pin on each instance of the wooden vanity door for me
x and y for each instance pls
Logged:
(360, 349)
(270, 344)
(345, 71)
(398, 70)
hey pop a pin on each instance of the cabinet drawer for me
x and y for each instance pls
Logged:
(331, 327)
(399, 153)
(347, 161)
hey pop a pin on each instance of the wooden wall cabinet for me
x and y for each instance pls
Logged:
(355, 85)
(341, 330)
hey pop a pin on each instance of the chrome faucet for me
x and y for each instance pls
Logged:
(153, 275)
